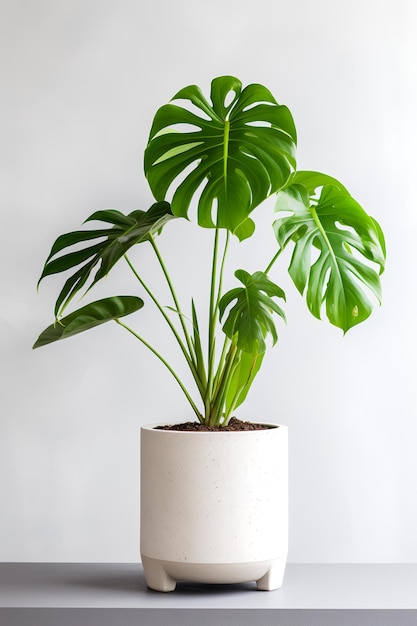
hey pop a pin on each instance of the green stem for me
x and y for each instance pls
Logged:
(213, 372)
(224, 381)
(212, 319)
(226, 342)
(167, 365)
(219, 292)
(173, 294)
(274, 258)
(172, 327)
(220, 366)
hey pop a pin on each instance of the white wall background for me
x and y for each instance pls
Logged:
(80, 82)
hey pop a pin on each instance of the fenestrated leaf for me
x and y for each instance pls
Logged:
(250, 318)
(242, 378)
(109, 245)
(88, 317)
(233, 155)
(337, 247)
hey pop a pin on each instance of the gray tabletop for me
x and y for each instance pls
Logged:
(116, 594)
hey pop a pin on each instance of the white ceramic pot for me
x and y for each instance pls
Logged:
(214, 506)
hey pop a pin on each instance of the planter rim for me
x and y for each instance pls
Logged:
(154, 428)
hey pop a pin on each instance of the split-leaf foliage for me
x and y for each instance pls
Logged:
(224, 156)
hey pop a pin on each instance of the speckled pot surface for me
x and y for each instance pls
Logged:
(214, 506)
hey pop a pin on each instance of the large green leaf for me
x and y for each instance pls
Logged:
(339, 249)
(231, 155)
(89, 316)
(250, 318)
(107, 247)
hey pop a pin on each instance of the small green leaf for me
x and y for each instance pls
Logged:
(88, 317)
(250, 317)
(198, 351)
(109, 247)
(337, 247)
(242, 378)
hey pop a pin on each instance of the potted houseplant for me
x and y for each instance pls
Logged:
(214, 499)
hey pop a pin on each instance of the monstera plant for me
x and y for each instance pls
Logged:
(215, 161)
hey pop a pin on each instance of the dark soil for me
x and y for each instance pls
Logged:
(233, 426)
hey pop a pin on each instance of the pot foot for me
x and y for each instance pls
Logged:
(156, 576)
(273, 578)
(162, 575)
